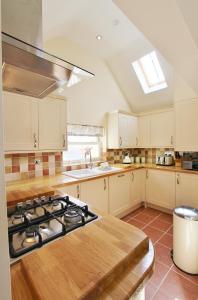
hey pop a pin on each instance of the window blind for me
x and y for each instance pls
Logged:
(84, 130)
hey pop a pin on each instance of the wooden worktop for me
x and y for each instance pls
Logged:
(106, 259)
(27, 189)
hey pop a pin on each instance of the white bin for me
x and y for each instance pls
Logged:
(185, 239)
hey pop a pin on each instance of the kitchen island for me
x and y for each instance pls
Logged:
(106, 259)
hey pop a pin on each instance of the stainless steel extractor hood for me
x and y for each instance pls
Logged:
(27, 69)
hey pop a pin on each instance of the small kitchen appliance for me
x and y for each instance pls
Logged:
(33, 223)
(127, 159)
(190, 161)
(165, 159)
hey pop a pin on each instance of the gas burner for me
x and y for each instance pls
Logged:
(18, 217)
(74, 215)
(56, 205)
(31, 235)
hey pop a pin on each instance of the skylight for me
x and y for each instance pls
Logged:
(149, 73)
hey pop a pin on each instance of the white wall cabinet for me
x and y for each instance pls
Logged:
(187, 190)
(95, 193)
(71, 190)
(186, 113)
(122, 131)
(20, 123)
(52, 124)
(160, 188)
(162, 129)
(119, 193)
(144, 131)
(31, 124)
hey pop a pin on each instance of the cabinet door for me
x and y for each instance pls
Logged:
(71, 190)
(162, 129)
(119, 193)
(20, 122)
(144, 131)
(137, 187)
(127, 130)
(186, 125)
(95, 193)
(160, 188)
(187, 190)
(52, 124)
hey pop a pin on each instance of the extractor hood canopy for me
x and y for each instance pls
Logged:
(27, 69)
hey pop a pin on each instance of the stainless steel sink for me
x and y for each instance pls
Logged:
(84, 173)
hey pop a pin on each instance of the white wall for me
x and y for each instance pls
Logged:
(5, 293)
(88, 101)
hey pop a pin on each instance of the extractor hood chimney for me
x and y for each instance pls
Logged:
(27, 69)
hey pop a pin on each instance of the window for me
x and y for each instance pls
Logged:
(80, 138)
(149, 73)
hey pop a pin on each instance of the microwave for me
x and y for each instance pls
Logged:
(190, 165)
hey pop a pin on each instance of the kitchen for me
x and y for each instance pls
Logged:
(119, 137)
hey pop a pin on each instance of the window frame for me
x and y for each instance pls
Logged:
(142, 74)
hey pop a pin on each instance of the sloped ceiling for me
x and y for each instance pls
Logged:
(121, 44)
(172, 27)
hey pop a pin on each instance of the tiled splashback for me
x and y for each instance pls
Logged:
(116, 156)
(30, 165)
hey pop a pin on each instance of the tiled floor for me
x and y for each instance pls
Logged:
(167, 282)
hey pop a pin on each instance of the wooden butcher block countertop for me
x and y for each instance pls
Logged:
(27, 189)
(107, 259)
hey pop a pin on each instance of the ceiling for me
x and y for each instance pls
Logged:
(122, 43)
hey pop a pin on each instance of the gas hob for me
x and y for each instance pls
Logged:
(33, 223)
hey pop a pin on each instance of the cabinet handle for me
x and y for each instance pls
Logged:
(171, 140)
(105, 185)
(178, 179)
(132, 174)
(78, 191)
(120, 141)
(147, 174)
(35, 140)
(137, 141)
(64, 141)
(121, 175)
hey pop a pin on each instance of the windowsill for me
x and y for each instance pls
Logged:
(65, 163)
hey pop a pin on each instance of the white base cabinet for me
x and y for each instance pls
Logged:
(187, 190)
(119, 193)
(72, 190)
(160, 188)
(137, 187)
(95, 193)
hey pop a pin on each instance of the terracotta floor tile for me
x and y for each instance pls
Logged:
(150, 290)
(144, 218)
(160, 272)
(163, 254)
(133, 214)
(176, 287)
(167, 240)
(166, 218)
(136, 223)
(192, 278)
(153, 233)
(170, 231)
(160, 225)
(151, 212)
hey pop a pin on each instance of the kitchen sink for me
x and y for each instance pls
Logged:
(84, 173)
